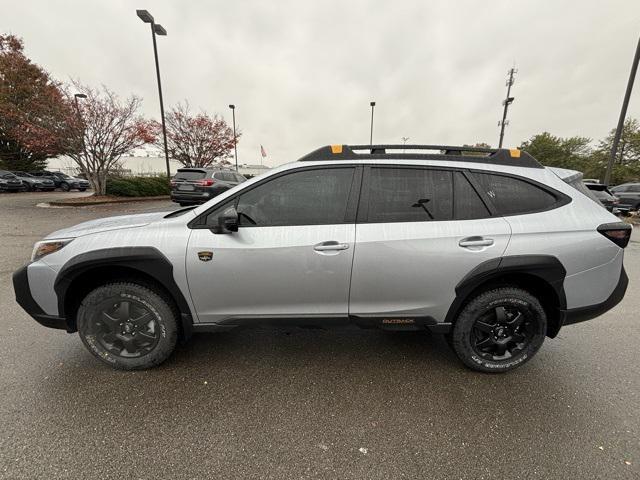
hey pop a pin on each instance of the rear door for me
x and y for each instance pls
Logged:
(419, 232)
(291, 256)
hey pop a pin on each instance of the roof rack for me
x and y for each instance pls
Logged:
(503, 156)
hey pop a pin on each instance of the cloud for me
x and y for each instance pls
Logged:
(302, 73)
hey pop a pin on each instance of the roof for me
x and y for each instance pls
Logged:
(503, 156)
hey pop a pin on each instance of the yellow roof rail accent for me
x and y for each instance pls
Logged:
(514, 152)
(336, 148)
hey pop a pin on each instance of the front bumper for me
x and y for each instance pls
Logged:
(577, 315)
(27, 302)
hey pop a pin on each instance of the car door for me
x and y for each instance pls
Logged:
(291, 256)
(419, 232)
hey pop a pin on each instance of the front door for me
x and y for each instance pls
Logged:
(291, 256)
(420, 231)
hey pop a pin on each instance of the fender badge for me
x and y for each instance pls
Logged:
(205, 256)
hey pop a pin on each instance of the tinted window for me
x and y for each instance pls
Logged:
(239, 178)
(228, 177)
(409, 195)
(190, 175)
(513, 196)
(311, 197)
(467, 203)
(633, 188)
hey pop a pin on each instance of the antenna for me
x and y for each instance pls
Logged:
(506, 102)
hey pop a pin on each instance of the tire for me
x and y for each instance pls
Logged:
(28, 188)
(82, 189)
(110, 316)
(508, 320)
(65, 187)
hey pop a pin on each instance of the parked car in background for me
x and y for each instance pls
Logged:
(46, 174)
(605, 197)
(629, 194)
(66, 182)
(197, 185)
(10, 183)
(35, 183)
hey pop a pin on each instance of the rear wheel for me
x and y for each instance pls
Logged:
(65, 187)
(127, 326)
(499, 330)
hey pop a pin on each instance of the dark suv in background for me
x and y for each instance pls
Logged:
(63, 181)
(35, 183)
(629, 194)
(10, 183)
(197, 185)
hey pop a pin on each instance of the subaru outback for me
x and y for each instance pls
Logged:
(487, 247)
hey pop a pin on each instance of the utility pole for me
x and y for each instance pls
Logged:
(404, 142)
(623, 114)
(235, 141)
(372, 104)
(506, 102)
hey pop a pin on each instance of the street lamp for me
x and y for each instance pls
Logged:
(235, 141)
(372, 104)
(157, 29)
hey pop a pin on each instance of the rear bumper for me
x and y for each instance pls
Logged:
(27, 302)
(577, 315)
(198, 197)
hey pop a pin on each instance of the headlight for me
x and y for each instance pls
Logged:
(44, 248)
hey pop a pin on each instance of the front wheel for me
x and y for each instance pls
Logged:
(499, 330)
(65, 187)
(127, 326)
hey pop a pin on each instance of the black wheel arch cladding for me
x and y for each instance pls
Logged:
(149, 261)
(545, 268)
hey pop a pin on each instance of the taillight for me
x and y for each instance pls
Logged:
(207, 182)
(618, 232)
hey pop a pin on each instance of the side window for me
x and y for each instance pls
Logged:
(218, 176)
(512, 196)
(309, 197)
(467, 203)
(633, 188)
(410, 195)
(228, 176)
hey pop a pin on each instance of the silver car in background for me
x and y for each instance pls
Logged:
(487, 247)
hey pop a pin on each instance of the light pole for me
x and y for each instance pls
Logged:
(235, 142)
(372, 104)
(623, 114)
(506, 102)
(157, 29)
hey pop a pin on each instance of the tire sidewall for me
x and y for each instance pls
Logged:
(462, 332)
(162, 311)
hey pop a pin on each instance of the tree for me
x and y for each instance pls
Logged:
(629, 147)
(105, 129)
(34, 113)
(571, 152)
(197, 140)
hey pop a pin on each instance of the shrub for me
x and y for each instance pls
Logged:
(138, 186)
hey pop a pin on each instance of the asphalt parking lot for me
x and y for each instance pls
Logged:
(308, 403)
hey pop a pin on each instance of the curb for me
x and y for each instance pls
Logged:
(106, 201)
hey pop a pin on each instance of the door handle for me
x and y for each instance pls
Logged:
(476, 242)
(330, 245)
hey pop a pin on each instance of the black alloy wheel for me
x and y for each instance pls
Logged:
(503, 331)
(126, 329)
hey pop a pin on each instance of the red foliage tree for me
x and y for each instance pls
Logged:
(106, 128)
(197, 140)
(35, 116)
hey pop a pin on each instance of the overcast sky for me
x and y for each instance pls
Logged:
(302, 73)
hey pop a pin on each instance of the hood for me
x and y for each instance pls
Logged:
(106, 224)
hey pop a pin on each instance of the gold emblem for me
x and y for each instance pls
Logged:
(205, 256)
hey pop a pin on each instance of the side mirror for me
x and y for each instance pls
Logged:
(227, 222)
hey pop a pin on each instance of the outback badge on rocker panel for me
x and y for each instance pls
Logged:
(205, 256)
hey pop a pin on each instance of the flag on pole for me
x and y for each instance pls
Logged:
(262, 152)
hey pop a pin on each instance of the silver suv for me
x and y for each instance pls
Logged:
(487, 247)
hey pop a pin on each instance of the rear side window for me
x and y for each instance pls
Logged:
(512, 196)
(467, 203)
(410, 195)
(228, 177)
(190, 175)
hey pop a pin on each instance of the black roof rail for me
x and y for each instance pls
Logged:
(503, 156)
